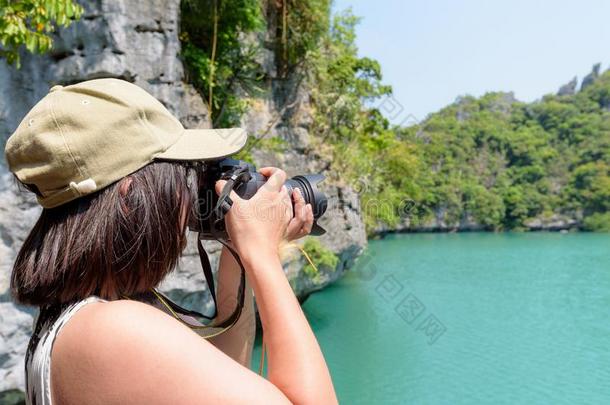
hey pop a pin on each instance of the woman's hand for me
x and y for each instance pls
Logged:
(258, 225)
(302, 221)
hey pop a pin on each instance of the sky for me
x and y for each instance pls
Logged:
(432, 51)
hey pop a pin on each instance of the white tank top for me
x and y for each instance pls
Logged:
(38, 357)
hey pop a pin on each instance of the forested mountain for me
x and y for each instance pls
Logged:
(505, 164)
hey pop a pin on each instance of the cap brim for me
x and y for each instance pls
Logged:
(202, 144)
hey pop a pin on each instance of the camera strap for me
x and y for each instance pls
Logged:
(229, 321)
(190, 317)
(233, 178)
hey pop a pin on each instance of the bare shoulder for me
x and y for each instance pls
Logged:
(133, 318)
(106, 346)
(129, 352)
(100, 328)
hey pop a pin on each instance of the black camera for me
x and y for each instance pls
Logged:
(242, 177)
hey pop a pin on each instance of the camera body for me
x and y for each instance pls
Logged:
(208, 213)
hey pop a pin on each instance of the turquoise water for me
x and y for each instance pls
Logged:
(471, 319)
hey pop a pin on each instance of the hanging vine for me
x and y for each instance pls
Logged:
(284, 36)
(213, 56)
(301, 24)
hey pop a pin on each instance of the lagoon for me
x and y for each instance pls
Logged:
(470, 318)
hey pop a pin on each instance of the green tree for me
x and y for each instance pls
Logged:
(219, 49)
(29, 22)
(299, 25)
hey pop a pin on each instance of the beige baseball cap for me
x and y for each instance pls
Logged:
(81, 138)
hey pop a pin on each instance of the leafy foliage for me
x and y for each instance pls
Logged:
(598, 222)
(320, 256)
(221, 44)
(29, 23)
(300, 24)
(504, 163)
(220, 56)
(365, 151)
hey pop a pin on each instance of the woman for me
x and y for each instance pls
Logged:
(113, 171)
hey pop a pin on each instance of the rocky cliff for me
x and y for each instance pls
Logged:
(138, 41)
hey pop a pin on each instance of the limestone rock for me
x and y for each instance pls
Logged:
(569, 88)
(591, 77)
(15, 333)
(555, 222)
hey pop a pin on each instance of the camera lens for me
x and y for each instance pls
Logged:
(308, 186)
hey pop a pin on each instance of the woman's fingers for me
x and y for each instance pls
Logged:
(275, 178)
(302, 222)
(299, 216)
(307, 223)
(267, 171)
(299, 205)
(308, 219)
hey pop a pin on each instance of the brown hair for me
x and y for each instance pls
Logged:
(122, 240)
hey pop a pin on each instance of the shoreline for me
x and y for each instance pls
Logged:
(384, 233)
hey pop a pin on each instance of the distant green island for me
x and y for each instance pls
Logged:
(504, 164)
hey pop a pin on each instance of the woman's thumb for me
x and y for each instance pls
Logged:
(219, 186)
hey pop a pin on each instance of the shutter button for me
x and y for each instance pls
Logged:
(56, 87)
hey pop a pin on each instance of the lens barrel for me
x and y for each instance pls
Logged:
(308, 186)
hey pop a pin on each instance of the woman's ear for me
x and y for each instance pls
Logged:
(123, 190)
(124, 185)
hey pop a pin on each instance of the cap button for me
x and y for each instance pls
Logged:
(56, 87)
